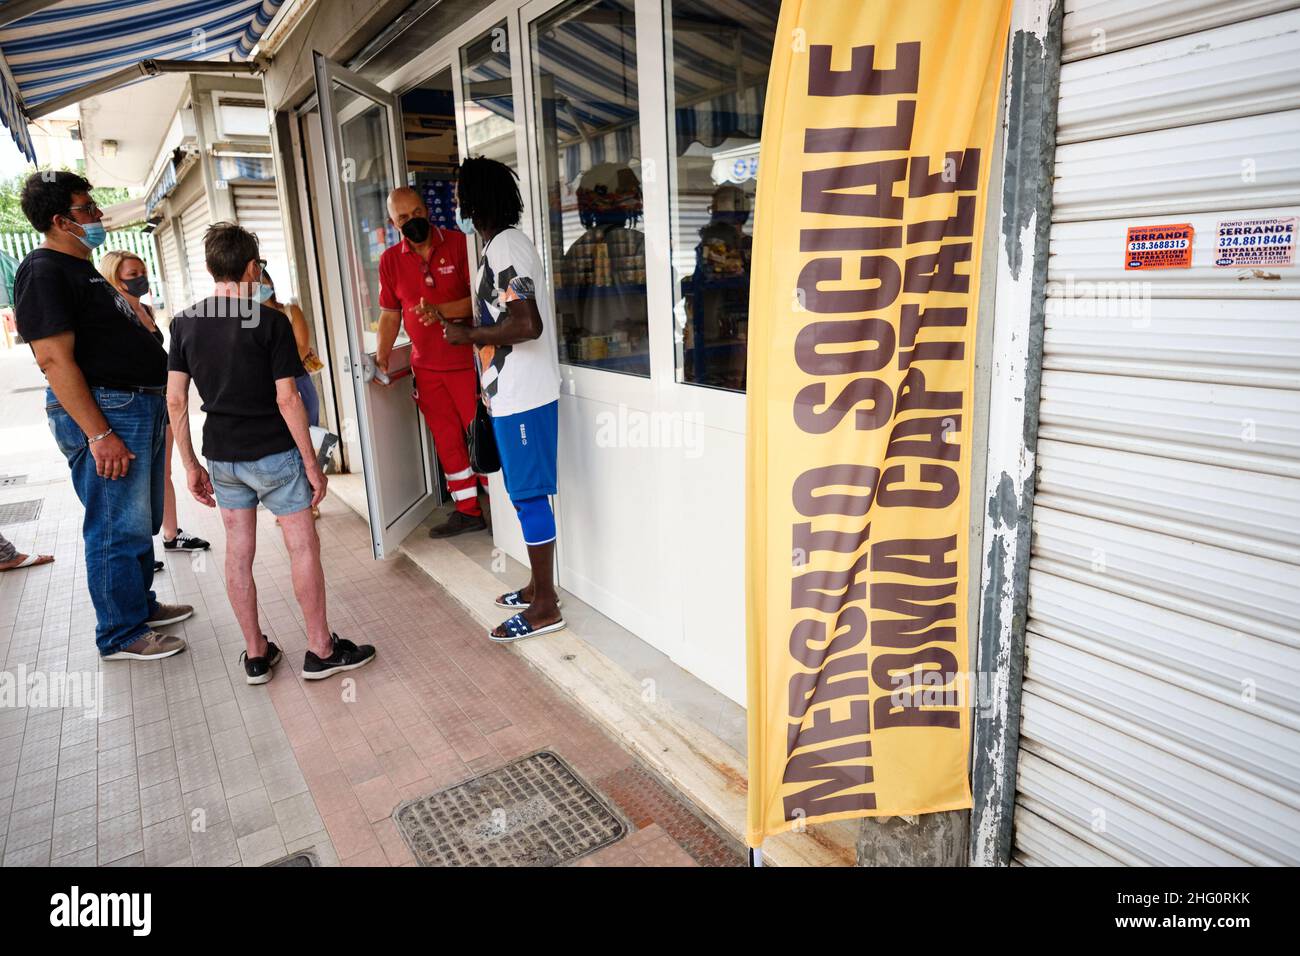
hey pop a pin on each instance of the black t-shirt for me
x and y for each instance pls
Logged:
(156, 332)
(55, 292)
(235, 350)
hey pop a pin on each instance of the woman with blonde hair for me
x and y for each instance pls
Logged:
(265, 294)
(127, 273)
(302, 338)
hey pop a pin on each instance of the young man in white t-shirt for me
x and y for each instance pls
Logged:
(519, 368)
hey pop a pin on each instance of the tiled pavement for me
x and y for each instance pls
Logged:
(188, 765)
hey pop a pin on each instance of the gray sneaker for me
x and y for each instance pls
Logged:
(153, 646)
(170, 614)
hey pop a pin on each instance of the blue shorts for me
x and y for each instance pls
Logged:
(527, 445)
(278, 481)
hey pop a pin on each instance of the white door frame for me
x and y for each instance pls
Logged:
(323, 280)
(390, 522)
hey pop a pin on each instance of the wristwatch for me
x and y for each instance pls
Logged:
(100, 437)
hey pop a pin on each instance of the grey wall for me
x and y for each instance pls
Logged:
(336, 28)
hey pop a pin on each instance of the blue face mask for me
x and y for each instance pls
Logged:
(464, 225)
(94, 234)
(263, 292)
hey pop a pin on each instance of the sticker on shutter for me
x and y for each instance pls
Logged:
(1255, 242)
(1159, 247)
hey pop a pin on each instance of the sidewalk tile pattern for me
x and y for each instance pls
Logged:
(184, 764)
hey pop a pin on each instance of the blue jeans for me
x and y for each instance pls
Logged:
(122, 516)
(310, 398)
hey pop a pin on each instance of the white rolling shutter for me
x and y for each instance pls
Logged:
(258, 210)
(1161, 719)
(169, 254)
(194, 223)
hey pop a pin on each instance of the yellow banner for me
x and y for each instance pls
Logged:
(877, 145)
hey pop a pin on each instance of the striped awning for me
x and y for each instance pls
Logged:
(245, 168)
(162, 188)
(64, 47)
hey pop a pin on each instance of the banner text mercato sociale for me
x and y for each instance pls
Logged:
(907, 630)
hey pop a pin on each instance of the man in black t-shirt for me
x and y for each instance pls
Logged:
(243, 359)
(106, 376)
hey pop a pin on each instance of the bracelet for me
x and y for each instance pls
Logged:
(91, 441)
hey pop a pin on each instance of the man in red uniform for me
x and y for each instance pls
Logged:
(423, 279)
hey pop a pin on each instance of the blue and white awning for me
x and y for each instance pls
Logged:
(161, 189)
(64, 47)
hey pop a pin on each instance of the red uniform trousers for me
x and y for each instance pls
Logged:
(448, 401)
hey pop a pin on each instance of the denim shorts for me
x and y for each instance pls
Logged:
(278, 481)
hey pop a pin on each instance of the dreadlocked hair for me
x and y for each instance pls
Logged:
(489, 193)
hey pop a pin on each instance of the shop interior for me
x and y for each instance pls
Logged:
(432, 157)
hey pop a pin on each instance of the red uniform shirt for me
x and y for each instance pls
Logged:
(402, 283)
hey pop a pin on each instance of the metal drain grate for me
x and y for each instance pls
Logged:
(20, 512)
(295, 859)
(533, 812)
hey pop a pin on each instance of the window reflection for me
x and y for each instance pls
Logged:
(489, 100)
(719, 57)
(585, 83)
(364, 135)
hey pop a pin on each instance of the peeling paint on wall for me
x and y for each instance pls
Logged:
(1032, 88)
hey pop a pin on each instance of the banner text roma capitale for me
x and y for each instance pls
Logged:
(873, 181)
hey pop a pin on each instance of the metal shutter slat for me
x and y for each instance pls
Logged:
(194, 223)
(1160, 720)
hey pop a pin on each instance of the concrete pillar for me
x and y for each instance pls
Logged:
(931, 839)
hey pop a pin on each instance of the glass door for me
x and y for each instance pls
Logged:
(361, 127)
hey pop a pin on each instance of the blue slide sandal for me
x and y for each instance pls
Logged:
(517, 628)
(514, 601)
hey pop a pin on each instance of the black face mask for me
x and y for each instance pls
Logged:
(417, 230)
(138, 286)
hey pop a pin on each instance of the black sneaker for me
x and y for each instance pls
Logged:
(458, 523)
(257, 670)
(159, 567)
(185, 542)
(345, 656)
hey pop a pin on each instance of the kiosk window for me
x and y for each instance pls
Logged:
(585, 107)
(719, 58)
